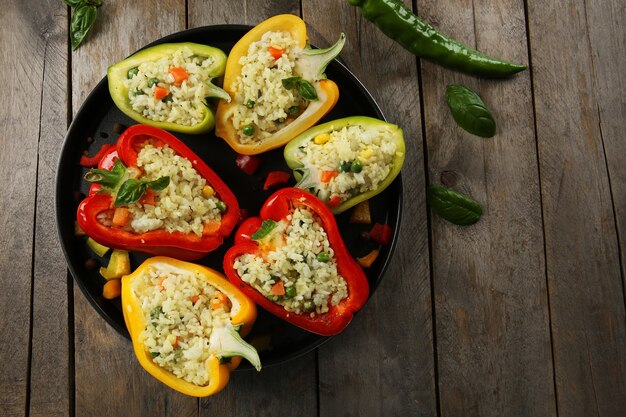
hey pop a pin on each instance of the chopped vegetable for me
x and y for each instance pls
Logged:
(321, 139)
(160, 92)
(276, 178)
(179, 74)
(247, 163)
(367, 260)
(112, 289)
(121, 216)
(381, 233)
(221, 206)
(248, 130)
(323, 257)
(266, 227)
(361, 213)
(119, 265)
(356, 166)
(219, 300)
(334, 201)
(93, 161)
(278, 288)
(132, 72)
(275, 52)
(97, 248)
(327, 176)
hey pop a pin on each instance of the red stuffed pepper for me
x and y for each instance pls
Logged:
(152, 194)
(292, 261)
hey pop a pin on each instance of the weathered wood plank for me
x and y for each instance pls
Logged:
(271, 392)
(50, 374)
(108, 377)
(574, 108)
(23, 46)
(493, 335)
(383, 364)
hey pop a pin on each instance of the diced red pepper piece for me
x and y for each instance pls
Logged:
(148, 198)
(248, 163)
(334, 201)
(275, 52)
(381, 233)
(160, 93)
(179, 74)
(278, 288)
(327, 176)
(93, 161)
(276, 178)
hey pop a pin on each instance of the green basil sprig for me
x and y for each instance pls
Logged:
(108, 179)
(266, 227)
(84, 13)
(132, 190)
(469, 111)
(452, 206)
(304, 88)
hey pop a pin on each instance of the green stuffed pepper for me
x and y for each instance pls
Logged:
(167, 86)
(348, 160)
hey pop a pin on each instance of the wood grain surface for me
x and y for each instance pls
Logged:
(520, 314)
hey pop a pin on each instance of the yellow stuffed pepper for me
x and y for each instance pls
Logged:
(277, 86)
(186, 322)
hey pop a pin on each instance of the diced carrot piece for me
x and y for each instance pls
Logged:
(211, 228)
(275, 52)
(180, 74)
(326, 176)
(367, 260)
(160, 93)
(218, 300)
(278, 288)
(112, 289)
(121, 216)
(195, 299)
(334, 201)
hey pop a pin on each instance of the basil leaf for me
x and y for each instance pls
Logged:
(290, 82)
(106, 178)
(158, 184)
(130, 191)
(96, 3)
(266, 227)
(83, 18)
(306, 90)
(469, 111)
(74, 3)
(452, 206)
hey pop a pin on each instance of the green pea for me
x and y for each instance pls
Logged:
(273, 298)
(323, 257)
(293, 110)
(154, 354)
(138, 93)
(308, 306)
(290, 292)
(168, 98)
(153, 81)
(132, 72)
(356, 166)
(250, 104)
(345, 166)
(248, 130)
(221, 206)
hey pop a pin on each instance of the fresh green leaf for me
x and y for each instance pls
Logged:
(130, 191)
(452, 206)
(159, 184)
(290, 82)
(469, 111)
(83, 18)
(74, 3)
(266, 227)
(96, 3)
(304, 88)
(106, 178)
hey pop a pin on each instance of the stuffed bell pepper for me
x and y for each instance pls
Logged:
(152, 194)
(167, 86)
(277, 86)
(292, 262)
(347, 161)
(186, 323)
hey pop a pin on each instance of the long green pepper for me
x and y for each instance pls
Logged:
(398, 22)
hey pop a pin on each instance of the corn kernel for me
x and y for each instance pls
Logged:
(208, 191)
(366, 153)
(321, 139)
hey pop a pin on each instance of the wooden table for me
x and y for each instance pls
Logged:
(521, 314)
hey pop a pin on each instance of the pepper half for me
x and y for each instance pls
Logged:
(316, 180)
(223, 343)
(187, 246)
(310, 66)
(119, 73)
(280, 205)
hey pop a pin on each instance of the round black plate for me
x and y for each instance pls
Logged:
(96, 119)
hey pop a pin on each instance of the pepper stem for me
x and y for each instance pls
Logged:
(313, 62)
(226, 342)
(215, 91)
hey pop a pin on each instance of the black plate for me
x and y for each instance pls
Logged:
(96, 119)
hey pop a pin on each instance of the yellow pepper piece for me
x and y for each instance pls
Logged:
(243, 313)
(367, 260)
(366, 153)
(208, 191)
(119, 265)
(321, 139)
(98, 249)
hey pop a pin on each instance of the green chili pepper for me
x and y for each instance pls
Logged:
(398, 22)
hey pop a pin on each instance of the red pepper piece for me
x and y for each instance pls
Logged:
(93, 161)
(381, 233)
(277, 207)
(276, 178)
(247, 163)
(334, 201)
(275, 52)
(185, 246)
